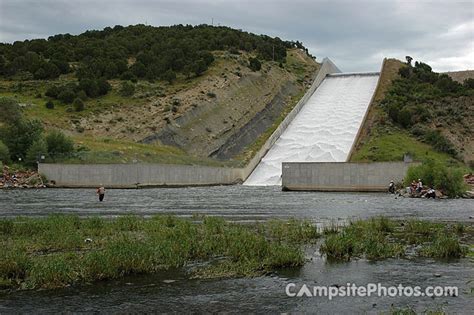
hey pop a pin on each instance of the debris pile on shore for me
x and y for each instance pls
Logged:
(20, 179)
(469, 180)
(405, 192)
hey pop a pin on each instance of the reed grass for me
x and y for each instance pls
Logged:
(61, 250)
(381, 238)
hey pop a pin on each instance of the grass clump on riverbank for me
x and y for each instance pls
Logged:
(381, 238)
(61, 250)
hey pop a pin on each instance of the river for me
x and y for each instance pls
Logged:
(154, 293)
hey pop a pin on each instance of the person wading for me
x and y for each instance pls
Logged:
(101, 192)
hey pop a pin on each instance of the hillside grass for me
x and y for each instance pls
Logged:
(384, 146)
(107, 150)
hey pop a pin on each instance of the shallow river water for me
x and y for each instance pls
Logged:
(232, 202)
(262, 294)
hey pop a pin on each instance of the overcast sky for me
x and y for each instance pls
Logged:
(356, 35)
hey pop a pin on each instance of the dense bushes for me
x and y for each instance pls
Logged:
(67, 93)
(154, 50)
(22, 139)
(435, 174)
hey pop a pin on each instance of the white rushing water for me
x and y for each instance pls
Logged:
(323, 130)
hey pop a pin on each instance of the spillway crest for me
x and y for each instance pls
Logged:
(324, 129)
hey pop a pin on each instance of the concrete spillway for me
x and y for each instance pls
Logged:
(325, 128)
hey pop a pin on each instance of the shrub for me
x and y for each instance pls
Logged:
(127, 89)
(19, 136)
(211, 94)
(53, 91)
(404, 118)
(67, 96)
(169, 76)
(469, 83)
(254, 64)
(440, 142)
(4, 153)
(10, 110)
(36, 149)
(78, 105)
(447, 179)
(58, 143)
(49, 105)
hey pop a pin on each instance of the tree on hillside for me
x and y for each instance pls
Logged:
(107, 53)
(254, 64)
(10, 110)
(169, 76)
(37, 149)
(19, 136)
(127, 88)
(59, 144)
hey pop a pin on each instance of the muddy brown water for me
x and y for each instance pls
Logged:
(153, 293)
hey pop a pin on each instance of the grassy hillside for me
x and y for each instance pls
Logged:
(419, 112)
(151, 117)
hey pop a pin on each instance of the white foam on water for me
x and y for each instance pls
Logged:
(324, 129)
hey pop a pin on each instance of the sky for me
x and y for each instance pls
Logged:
(355, 35)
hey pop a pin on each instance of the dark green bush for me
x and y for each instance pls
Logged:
(440, 142)
(58, 143)
(78, 105)
(53, 91)
(67, 96)
(10, 111)
(127, 88)
(19, 136)
(254, 64)
(35, 151)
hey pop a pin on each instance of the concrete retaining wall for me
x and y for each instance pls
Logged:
(327, 67)
(342, 176)
(137, 175)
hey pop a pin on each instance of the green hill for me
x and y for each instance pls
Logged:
(180, 94)
(420, 112)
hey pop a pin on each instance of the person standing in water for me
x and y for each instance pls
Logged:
(101, 192)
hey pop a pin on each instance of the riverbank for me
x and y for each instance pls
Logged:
(59, 251)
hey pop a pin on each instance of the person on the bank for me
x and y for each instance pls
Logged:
(413, 187)
(419, 186)
(391, 187)
(101, 192)
(431, 193)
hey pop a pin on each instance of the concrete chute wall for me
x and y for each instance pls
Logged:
(325, 128)
(343, 176)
